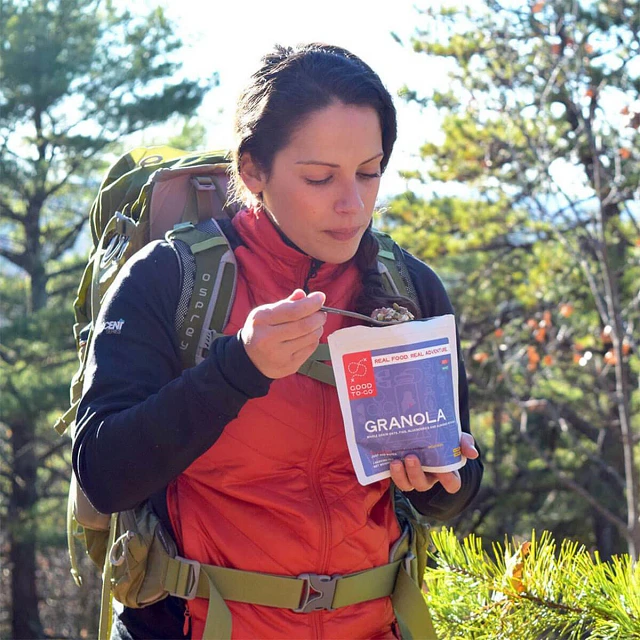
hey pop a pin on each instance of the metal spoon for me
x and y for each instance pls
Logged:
(358, 316)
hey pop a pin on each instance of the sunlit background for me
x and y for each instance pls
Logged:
(228, 39)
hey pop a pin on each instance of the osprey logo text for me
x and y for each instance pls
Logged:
(113, 326)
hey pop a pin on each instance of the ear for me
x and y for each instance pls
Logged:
(251, 174)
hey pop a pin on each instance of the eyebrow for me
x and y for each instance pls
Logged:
(336, 166)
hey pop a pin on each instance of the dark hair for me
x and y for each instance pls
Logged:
(291, 84)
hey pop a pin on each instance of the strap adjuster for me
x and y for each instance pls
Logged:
(203, 183)
(187, 579)
(317, 592)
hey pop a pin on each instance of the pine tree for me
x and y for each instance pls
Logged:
(76, 76)
(540, 248)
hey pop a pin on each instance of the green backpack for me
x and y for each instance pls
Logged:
(161, 192)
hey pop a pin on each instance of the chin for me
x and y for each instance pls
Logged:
(337, 255)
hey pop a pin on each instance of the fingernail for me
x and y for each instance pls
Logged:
(412, 462)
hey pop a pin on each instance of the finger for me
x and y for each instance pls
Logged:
(302, 354)
(399, 476)
(297, 294)
(300, 328)
(450, 481)
(282, 334)
(289, 310)
(417, 477)
(467, 446)
(308, 342)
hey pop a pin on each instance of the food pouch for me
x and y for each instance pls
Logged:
(398, 392)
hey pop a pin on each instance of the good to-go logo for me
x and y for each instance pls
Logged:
(361, 380)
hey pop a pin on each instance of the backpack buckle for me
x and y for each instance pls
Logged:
(317, 592)
(187, 579)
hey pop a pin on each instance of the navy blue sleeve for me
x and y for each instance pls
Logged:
(143, 419)
(436, 502)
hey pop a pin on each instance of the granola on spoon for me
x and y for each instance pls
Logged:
(392, 314)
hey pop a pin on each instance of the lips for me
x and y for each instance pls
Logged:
(343, 234)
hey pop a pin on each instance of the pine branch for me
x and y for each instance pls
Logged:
(566, 480)
(19, 259)
(530, 590)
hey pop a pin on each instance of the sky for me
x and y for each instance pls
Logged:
(230, 37)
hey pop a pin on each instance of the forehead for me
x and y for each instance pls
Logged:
(337, 133)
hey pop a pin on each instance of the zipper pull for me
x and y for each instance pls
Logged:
(187, 621)
(312, 273)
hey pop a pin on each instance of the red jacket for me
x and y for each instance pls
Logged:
(277, 492)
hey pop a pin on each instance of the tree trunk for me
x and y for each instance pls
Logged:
(38, 297)
(22, 529)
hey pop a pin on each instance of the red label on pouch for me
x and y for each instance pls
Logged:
(358, 371)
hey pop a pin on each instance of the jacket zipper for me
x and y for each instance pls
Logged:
(316, 616)
(312, 273)
(324, 507)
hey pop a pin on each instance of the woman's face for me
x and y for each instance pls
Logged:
(323, 185)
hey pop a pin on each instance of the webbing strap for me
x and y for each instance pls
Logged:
(287, 593)
(209, 201)
(106, 599)
(318, 371)
(391, 278)
(314, 368)
(411, 609)
(204, 188)
(224, 299)
(71, 541)
(65, 420)
(278, 591)
(218, 622)
(218, 584)
(322, 352)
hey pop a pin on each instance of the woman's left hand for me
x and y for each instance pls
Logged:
(408, 474)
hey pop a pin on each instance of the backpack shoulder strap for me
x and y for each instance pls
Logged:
(391, 266)
(208, 286)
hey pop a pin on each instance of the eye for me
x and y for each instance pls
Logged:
(318, 182)
(369, 176)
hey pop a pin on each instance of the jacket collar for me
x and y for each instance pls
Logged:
(280, 255)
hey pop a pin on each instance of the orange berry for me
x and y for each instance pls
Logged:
(540, 335)
(566, 310)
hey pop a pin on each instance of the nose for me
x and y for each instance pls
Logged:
(349, 199)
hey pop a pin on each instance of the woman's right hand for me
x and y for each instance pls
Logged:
(279, 337)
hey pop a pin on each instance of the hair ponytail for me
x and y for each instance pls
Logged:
(374, 295)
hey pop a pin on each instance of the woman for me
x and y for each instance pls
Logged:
(244, 461)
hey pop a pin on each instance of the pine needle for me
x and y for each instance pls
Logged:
(530, 590)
